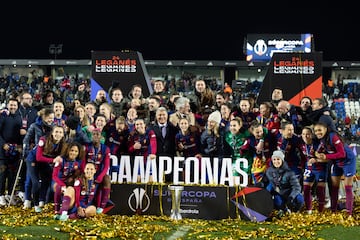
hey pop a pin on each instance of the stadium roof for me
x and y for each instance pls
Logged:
(174, 63)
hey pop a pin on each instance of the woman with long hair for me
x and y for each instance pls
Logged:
(48, 153)
(41, 127)
(314, 172)
(234, 139)
(343, 163)
(79, 200)
(66, 171)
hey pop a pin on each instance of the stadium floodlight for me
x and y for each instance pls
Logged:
(55, 49)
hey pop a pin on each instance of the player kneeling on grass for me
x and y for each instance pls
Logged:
(79, 201)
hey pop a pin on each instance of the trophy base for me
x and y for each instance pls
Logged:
(176, 200)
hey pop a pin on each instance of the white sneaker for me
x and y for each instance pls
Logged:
(288, 211)
(38, 209)
(3, 201)
(41, 204)
(27, 204)
(12, 201)
(21, 195)
(327, 203)
(99, 210)
(309, 212)
(64, 217)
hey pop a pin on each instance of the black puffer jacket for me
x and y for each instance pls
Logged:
(283, 181)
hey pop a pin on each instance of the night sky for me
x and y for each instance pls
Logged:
(175, 30)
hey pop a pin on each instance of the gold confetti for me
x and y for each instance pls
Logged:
(290, 226)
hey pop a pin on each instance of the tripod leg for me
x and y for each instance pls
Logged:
(16, 181)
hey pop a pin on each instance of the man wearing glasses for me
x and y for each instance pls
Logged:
(28, 115)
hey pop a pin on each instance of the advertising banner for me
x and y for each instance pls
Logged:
(197, 202)
(261, 47)
(297, 74)
(118, 69)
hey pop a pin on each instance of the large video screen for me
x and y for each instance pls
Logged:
(261, 47)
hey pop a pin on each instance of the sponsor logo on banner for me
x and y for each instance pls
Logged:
(115, 64)
(139, 201)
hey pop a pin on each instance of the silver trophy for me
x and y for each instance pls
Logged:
(176, 200)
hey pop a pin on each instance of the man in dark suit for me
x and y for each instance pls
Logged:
(165, 133)
(11, 134)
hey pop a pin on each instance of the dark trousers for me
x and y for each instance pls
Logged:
(40, 175)
(8, 170)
